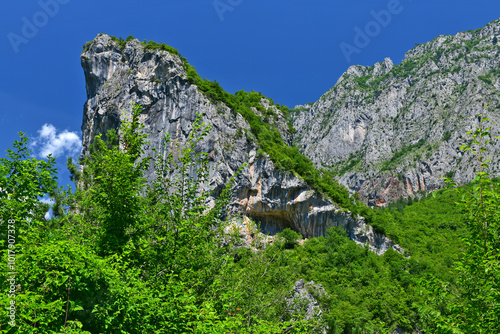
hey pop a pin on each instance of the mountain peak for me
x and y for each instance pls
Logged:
(397, 129)
(244, 129)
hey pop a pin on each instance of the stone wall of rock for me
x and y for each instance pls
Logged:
(118, 76)
(397, 129)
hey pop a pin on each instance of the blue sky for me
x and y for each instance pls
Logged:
(292, 51)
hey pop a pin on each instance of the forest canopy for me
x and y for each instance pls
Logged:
(123, 255)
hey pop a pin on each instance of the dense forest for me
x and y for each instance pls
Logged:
(120, 255)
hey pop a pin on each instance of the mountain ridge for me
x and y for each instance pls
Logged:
(380, 117)
(380, 153)
(245, 128)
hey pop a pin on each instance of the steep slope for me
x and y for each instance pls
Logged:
(119, 72)
(397, 129)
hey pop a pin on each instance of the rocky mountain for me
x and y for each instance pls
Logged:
(385, 131)
(119, 73)
(397, 129)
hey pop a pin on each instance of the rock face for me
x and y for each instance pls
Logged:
(398, 129)
(303, 302)
(117, 75)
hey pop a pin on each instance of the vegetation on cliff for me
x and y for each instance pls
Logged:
(263, 123)
(125, 256)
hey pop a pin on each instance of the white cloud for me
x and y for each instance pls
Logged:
(50, 202)
(50, 142)
(47, 200)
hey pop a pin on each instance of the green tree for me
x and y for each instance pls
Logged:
(23, 180)
(111, 185)
(473, 307)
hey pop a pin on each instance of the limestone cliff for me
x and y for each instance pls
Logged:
(397, 129)
(118, 74)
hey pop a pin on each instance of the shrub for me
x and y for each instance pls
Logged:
(290, 238)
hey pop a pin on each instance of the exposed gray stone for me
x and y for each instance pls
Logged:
(116, 77)
(302, 302)
(372, 113)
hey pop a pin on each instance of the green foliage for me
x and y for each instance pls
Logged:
(268, 136)
(112, 181)
(361, 81)
(406, 68)
(446, 136)
(123, 256)
(485, 79)
(127, 257)
(60, 196)
(23, 180)
(351, 163)
(148, 45)
(475, 306)
(73, 170)
(449, 174)
(266, 275)
(387, 165)
(290, 238)
(172, 267)
(491, 77)
(86, 46)
(471, 44)
(152, 45)
(366, 292)
(121, 42)
(429, 229)
(349, 166)
(270, 140)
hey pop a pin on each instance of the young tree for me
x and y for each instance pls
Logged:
(23, 180)
(290, 238)
(475, 306)
(111, 185)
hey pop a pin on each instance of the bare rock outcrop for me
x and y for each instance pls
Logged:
(398, 129)
(302, 302)
(119, 75)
